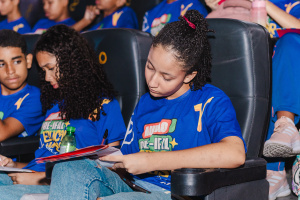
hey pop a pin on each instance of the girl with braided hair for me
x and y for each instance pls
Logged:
(183, 122)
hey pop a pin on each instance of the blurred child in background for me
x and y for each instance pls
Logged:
(56, 12)
(115, 15)
(14, 20)
(169, 11)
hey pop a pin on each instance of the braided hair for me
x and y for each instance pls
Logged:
(188, 39)
(83, 84)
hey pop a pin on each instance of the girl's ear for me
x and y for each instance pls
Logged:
(29, 58)
(189, 77)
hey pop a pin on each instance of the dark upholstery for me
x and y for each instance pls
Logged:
(241, 68)
(32, 10)
(126, 52)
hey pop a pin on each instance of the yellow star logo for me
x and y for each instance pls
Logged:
(67, 123)
(173, 143)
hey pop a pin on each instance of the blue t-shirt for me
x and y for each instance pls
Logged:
(289, 6)
(25, 106)
(87, 132)
(156, 18)
(125, 17)
(194, 119)
(43, 24)
(20, 25)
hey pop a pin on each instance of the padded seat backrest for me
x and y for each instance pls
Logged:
(33, 75)
(32, 10)
(241, 70)
(123, 52)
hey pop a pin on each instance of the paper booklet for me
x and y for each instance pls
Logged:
(92, 152)
(13, 169)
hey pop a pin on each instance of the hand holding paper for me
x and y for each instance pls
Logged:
(8, 162)
(137, 163)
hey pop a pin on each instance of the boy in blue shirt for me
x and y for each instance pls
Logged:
(169, 11)
(14, 20)
(20, 106)
(56, 12)
(115, 15)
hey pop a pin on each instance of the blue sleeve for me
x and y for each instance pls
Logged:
(30, 112)
(221, 120)
(128, 20)
(146, 26)
(295, 11)
(130, 145)
(113, 122)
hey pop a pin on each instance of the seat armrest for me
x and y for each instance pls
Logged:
(200, 182)
(19, 146)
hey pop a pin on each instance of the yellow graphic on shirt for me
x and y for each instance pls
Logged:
(52, 132)
(184, 9)
(272, 27)
(17, 27)
(198, 107)
(290, 6)
(94, 113)
(116, 17)
(20, 101)
(155, 138)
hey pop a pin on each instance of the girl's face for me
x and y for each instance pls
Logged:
(48, 63)
(165, 76)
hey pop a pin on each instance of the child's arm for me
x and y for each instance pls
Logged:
(285, 20)
(90, 14)
(36, 178)
(228, 153)
(10, 127)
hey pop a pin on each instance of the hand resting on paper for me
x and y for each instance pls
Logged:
(137, 163)
(6, 162)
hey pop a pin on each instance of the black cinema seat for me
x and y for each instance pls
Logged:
(241, 68)
(123, 53)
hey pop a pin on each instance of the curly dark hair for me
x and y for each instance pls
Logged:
(82, 81)
(190, 46)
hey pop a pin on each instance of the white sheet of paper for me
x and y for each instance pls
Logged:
(109, 164)
(12, 169)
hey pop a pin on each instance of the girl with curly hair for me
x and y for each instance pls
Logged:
(183, 122)
(74, 92)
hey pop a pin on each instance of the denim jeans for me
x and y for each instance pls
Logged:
(8, 191)
(87, 179)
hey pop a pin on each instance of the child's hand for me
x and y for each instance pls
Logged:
(137, 163)
(36, 178)
(90, 13)
(6, 162)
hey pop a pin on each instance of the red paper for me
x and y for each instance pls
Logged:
(91, 151)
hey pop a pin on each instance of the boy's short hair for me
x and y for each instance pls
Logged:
(10, 38)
